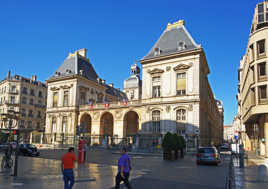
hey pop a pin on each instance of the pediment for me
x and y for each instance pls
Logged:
(54, 88)
(181, 67)
(155, 71)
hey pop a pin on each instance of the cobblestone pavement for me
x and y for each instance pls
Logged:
(250, 176)
(99, 172)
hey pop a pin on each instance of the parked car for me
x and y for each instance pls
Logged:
(3, 147)
(28, 150)
(225, 147)
(208, 155)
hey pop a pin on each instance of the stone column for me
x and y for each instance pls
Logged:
(95, 130)
(266, 134)
(118, 130)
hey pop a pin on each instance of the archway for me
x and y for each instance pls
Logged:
(106, 124)
(86, 122)
(131, 124)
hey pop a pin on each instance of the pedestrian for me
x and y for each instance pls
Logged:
(124, 167)
(67, 165)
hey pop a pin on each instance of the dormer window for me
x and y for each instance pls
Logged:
(157, 51)
(181, 46)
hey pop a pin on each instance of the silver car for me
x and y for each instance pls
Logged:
(208, 155)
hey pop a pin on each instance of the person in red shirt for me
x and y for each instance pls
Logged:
(67, 165)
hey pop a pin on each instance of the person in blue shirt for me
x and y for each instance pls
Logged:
(124, 168)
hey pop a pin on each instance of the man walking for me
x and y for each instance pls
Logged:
(124, 168)
(67, 165)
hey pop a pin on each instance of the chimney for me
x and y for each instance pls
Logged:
(82, 52)
(111, 84)
(8, 74)
(34, 78)
(103, 81)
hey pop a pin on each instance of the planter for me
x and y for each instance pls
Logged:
(167, 155)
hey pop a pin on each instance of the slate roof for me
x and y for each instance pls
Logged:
(73, 65)
(172, 40)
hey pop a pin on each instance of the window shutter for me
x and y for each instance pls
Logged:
(181, 84)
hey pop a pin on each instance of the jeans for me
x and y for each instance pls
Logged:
(68, 177)
(119, 179)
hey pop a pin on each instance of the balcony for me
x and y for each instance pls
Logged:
(112, 104)
(12, 102)
(13, 92)
(263, 101)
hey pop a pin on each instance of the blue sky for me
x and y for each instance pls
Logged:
(37, 35)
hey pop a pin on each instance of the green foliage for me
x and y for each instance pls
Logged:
(173, 142)
(176, 142)
(182, 142)
(167, 142)
(3, 137)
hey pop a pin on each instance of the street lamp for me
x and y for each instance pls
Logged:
(11, 121)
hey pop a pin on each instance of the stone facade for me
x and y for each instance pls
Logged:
(252, 97)
(173, 95)
(28, 98)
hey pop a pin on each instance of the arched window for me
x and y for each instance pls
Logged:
(181, 115)
(156, 121)
(180, 119)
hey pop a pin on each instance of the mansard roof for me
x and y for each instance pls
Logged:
(174, 39)
(76, 64)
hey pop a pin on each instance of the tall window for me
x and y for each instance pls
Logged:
(31, 101)
(32, 92)
(156, 121)
(82, 98)
(181, 115)
(13, 89)
(261, 47)
(55, 99)
(262, 69)
(30, 113)
(262, 92)
(54, 125)
(66, 98)
(24, 90)
(38, 114)
(12, 100)
(260, 13)
(156, 90)
(100, 98)
(24, 100)
(181, 83)
(181, 119)
(251, 53)
(40, 94)
(30, 124)
(23, 114)
(64, 124)
(22, 122)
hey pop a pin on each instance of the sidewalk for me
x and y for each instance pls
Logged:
(43, 173)
(249, 177)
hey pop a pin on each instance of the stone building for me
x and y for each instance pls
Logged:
(28, 98)
(252, 87)
(173, 95)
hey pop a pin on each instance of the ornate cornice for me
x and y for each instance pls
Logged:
(66, 86)
(182, 67)
(155, 71)
(54, 88)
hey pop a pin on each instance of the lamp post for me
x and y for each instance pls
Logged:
(11, 120)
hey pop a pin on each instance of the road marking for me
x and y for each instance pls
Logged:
(16, 184)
